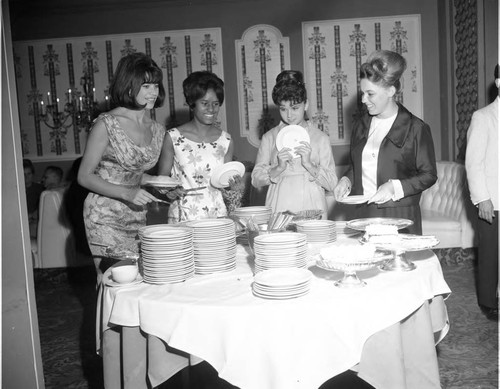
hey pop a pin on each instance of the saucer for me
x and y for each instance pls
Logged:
(111, 282)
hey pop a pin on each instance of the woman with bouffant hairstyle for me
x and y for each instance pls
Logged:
(392, 158)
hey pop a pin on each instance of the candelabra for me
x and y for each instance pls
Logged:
(79, 109)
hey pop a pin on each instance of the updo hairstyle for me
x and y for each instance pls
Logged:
(385, 68)
(131, 73)
(289, 87)
(196, 85)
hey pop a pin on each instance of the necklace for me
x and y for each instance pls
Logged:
(371, 139)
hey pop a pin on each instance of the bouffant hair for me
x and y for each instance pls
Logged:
(289, 87)
(385, 68)
(131, 73)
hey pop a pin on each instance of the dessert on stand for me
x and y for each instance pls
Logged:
(350, 259)
(384, 234)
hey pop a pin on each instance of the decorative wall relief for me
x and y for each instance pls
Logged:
(261, 54)
(62, 84)
(466, 81)
(333, 53)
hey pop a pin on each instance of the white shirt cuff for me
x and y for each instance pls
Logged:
(398, 190)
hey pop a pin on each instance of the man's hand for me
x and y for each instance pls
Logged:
(486, 211)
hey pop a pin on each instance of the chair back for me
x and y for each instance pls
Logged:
(55, 240)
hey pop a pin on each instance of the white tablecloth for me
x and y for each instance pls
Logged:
(255, 343)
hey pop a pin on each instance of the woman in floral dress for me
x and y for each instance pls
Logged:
(123, 144)
(192, 151)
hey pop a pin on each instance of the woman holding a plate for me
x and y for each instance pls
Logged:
(295, 158)
(123, 144)
(192, 151)
(392, 157)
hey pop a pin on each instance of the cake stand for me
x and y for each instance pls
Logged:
(361, 224)
(351, 279)
(406, 244)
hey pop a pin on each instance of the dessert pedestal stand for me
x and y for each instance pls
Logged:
(351, 279)
(408, 243)
(399, 261)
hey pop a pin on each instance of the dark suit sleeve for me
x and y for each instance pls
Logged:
(425, 162)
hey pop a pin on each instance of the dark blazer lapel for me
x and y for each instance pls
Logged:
(401, 127)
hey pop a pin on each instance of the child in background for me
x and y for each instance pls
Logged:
(33, 192)
(295, 184)
(52, 177)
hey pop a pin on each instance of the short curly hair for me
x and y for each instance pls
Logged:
(131, 73)
(196, 85)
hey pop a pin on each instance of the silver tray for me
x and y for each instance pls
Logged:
(408, 242)
(379, 258)
(360, 224)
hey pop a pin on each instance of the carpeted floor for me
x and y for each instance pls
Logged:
(468, 356)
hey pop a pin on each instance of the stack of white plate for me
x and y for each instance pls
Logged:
(214, 242)
(318, 231)
(280, 250)
(342, 229)
(281, 284)
(260, 214)
(167, 253)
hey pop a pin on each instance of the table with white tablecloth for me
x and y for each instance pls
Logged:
(386, 331)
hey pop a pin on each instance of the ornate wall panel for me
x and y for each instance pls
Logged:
(466, 69)
(333, 53)
(261, 54)
(51, 71)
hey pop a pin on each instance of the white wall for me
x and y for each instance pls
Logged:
(21, 354)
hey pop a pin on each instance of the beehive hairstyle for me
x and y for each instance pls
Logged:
(385, 68)
(289, 87)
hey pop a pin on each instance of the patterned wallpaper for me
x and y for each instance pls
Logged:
(261, 54)
(333, 53)
(466, 81)
(51, 72)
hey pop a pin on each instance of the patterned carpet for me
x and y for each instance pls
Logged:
(468, 356)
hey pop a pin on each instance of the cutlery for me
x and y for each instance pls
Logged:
(192, 189)
(99, 244)
(419, 237)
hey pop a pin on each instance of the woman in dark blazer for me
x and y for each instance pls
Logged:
(392, 158)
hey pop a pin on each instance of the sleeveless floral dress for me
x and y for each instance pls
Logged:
(194, 163)
(113, 222)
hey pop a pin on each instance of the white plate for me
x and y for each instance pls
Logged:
(209, 223)
(283, 277)
(222, 174)
(355, 199)
(281, 237)
(291, 136)
(163, 182)
(274, 296)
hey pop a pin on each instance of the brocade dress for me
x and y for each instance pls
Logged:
(112, 222)
(194, 163)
